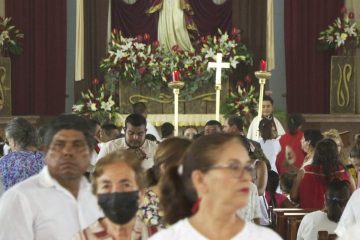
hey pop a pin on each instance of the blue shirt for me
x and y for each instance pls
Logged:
(20, 165)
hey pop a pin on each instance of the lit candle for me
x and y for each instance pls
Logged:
(263, 65)
(175, 76)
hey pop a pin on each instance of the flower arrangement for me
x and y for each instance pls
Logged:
(343, 33)
(97, 105)
(9, 37)
(140, 61)
(243, 102)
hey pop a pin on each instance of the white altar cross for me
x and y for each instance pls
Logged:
(218, 65)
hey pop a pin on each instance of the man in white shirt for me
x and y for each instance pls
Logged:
(140, 108)
(350, 215)
(135, 132)
(56, 203)
(267, 112)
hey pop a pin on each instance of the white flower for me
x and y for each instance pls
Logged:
(224, 38)
(139, 46)
(210, 54)
(78, 108)
(119, 55)
(91, 106)
(233, 62)
(339, 40)
(351, 30)
(107, 105)
(330, 39)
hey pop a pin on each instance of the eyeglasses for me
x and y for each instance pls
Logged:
(235, 168)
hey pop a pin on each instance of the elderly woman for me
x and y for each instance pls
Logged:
(201, 196)
(24, 160)
(168, 153)
(117, 183)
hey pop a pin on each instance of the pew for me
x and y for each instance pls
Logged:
(324, 235)
(281, 215)
(293, 221)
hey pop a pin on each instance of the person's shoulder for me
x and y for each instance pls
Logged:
(151, 144)
(174, 232)
(258, 232)
(22, 189)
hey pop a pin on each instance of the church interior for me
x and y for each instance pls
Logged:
(282, 74)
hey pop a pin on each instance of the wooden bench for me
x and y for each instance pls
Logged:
(293, 221)
(281, 215)
(324, 235)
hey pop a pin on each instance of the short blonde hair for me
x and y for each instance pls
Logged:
(333, 134)
(127, 156)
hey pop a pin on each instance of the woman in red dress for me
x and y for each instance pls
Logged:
(311, 182)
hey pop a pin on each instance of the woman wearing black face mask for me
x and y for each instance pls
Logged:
(117, 182)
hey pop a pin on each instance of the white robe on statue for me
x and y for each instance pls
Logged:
(254, 126)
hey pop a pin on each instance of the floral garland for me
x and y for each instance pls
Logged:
(243, 102)
(9, 37)
(143, 62)
(97, 105)
(341, 33)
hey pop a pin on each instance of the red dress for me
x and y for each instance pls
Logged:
(313, 186)
(294, 142)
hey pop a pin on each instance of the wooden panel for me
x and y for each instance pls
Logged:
(161, 102)
(5, 86)
(343, 85)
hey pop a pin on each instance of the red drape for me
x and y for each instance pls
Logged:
(132, 20)
(38, 75)
(307, 68)
(209, 17)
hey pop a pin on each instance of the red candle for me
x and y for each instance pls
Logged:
(175, 76)
(263, 65)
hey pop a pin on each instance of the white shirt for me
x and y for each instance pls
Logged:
(314, 222)
(351, 214)
(252, 209)
(40, 208)
(352, 233)
(148, 148)
(271, 149)
(254, 127)
(183, 230)
(150, 129)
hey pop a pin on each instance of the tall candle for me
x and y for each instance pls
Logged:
(263, 65)
(175, 76)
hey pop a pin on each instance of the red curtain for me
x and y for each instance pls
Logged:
(307, 68)
(132, 19)
(38, 75)
(209, 17)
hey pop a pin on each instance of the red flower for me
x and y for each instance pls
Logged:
(238, 39)
(176, 48)
(139, 38)
(141, 70)
(240, 83)
(351, 15)
(95, 82)
(114, 31)
(203, 39)
(156, 44)
(190, 68)
(235, 31)
(343, 10)
(248, 79)
(146, 37)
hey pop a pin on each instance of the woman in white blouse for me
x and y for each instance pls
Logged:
(201, 196)
(337, 195)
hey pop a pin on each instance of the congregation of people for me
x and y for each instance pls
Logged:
(74, 178)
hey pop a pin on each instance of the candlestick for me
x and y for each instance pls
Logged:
(262, 76)
(176, 86)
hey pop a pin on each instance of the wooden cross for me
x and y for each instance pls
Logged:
(218, 65)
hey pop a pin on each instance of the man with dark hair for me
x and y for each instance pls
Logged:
(212, 127)
(167, 130)
(140, 108)
(267, 112)
(56, 203)
(109, 132)
(233, 124)
(135, 132)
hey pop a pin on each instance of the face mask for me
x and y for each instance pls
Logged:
(119, 207)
